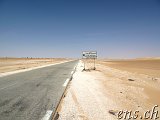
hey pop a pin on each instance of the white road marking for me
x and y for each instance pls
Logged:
(47, 115)
(28, 69)
(7, 86)
(66, 82)
(72, 72)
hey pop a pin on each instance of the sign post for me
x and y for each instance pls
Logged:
(94, 64)
(89, 55)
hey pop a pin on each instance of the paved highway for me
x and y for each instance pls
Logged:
(29, 95)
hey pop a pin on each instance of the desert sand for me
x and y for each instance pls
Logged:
(140, 80)
(149, 67)
(13, 64)
(100, 94)
(115, 85)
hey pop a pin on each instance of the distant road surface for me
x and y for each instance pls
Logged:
(29, 95)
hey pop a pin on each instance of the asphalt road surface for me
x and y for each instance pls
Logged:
(28, 95)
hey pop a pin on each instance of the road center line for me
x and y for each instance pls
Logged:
(66, 82)
(47, 115)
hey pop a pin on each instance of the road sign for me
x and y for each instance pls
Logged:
(89, 54)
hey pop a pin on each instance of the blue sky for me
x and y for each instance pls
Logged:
(64, 28)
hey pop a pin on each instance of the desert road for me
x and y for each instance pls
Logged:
(29, 95)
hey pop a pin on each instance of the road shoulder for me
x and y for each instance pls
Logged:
(85, 99)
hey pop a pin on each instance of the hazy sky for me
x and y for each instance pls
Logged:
(64, 28)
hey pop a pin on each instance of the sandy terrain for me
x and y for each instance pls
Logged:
(100, 94)
(115, 85)
(13, 64)
(145, 66)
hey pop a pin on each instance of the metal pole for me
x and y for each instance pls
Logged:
(84, 61)
(84, 64)
(94, 64)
